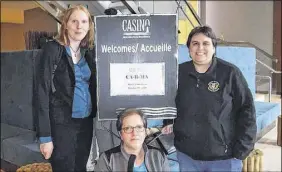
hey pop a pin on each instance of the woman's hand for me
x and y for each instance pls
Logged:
(46, 149)
(167, 129)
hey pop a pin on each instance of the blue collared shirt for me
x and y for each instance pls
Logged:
(82, 104)
(141, 168)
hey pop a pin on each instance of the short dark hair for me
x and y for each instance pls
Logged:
(206, 30)
(128, 112)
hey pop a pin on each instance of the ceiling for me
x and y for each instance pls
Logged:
(23, 5)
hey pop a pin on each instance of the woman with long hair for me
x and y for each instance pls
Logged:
(65, 92)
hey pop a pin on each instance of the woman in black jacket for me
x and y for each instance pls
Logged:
(215, 128)
(65, 93)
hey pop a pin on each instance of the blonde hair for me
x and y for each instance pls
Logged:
(62, 37)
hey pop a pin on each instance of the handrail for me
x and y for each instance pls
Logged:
(269, 85)
(268, 67)
(220, 41)
(274, 59)
(194, 13)
(179, 6)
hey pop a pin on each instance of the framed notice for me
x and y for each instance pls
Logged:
(129, 79)
(137, 64)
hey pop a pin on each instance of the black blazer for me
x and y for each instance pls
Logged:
(56, 107)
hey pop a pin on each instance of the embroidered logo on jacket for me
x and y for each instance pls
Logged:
(213, 86)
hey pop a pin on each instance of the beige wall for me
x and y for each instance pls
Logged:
(250, 21)
(12, 37)
(38, 20)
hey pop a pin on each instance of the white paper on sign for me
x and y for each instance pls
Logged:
(137, 79)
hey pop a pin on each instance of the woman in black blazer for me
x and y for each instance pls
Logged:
(65, 93)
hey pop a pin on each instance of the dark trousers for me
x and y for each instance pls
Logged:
(72, 144)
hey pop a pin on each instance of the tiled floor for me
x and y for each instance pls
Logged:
(268, 144)
(272, 152)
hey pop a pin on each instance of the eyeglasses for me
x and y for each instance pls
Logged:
(138, 128)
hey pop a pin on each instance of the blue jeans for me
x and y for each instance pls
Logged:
(186, 163)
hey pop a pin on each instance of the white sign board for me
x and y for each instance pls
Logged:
(137, 79)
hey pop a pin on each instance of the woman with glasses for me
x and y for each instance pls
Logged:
(132, 154)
